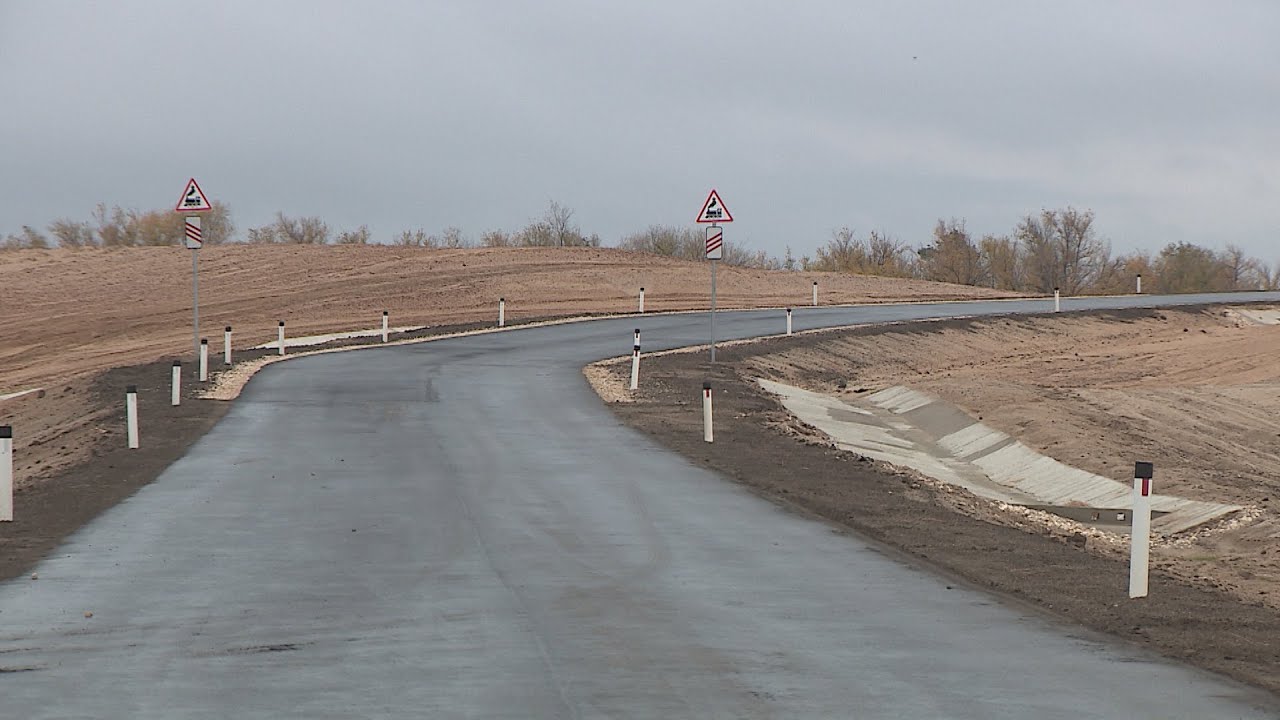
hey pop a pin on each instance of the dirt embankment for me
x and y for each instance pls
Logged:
(69, 312)
(1095, 391)
(1194, 391)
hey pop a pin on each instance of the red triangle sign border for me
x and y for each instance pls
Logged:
(714, 197)
(204, 205)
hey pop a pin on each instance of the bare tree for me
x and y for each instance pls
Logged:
(452, 237)
(559, 222)
(1002, 260)
(217, 226)
(887, 255)
(71, 234)
(495, 238)
(1267, 277)
(667, 240)
(952, 257)
(1239, 268)
(359, 236)
(29, 239)
(844, 252)
(415, 238)
(301, 231)
(536, 234)
(1062, 250)
(1187, 268)
(265, 235)
(114, 227)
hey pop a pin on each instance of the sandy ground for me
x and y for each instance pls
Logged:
(69, 315)
(1193, 391)
(1213, 593)
(67, 312)
(73, 465)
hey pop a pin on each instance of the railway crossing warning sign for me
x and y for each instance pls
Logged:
(193, 199)
(713, 210)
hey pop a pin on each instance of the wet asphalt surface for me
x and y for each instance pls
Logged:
(462, 529)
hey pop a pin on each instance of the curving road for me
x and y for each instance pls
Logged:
(460, 529)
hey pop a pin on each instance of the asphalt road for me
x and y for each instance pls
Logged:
(460, 529)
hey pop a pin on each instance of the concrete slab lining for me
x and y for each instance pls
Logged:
(905, 427)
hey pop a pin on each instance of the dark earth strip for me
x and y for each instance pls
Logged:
(1053, 574)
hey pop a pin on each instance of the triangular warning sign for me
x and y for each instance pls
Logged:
(193, 199)
(714, 211)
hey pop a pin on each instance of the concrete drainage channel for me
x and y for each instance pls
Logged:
(911, 429)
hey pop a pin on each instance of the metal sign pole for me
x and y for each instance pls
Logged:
(713, 310)
(195, 299)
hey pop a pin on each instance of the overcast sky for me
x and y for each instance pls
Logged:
(1163, 117)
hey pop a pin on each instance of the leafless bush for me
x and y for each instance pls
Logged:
(359, 236)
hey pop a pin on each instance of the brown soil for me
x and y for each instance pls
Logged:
(68, 312)
(1190, 390)
(70, 316)
(77, 435)
(1016, 373)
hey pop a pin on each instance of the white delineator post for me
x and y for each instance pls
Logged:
(226, 345)
(815, 293)
(707, 433)
(175, 384)
(131, 414)
(385, 327)
(1139, 283)
(281, 335)
(1140, 536)
(788, 321)
(6, 473)
(502, 312)
(635, 362)
(1057, 300)
(204, 359)
(641, 301)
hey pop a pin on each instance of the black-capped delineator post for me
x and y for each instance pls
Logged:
(1140, 536)
(1057, 300)
(175, 384)
(280, 334)
(204, 359)
(641, 301)
(502, 312)
(707, 433)
(1139, 283)
(131, 414)
(6, 473)
(788, 321)
(386, 319)
(815, 293)
(635, 362)
(226, 345)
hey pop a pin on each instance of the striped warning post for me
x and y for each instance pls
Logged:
(194, 237)
(715, 242)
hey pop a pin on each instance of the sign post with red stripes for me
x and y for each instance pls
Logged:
(714, 212)
(1140, 535)
(193, 200)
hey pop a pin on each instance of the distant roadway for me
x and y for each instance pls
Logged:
(461, 529)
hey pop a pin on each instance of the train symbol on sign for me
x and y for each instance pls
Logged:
(193, 199)
(714, 211)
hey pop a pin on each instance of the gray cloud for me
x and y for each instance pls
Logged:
(806, 116)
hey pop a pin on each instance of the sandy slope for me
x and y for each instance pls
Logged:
(1190, 390)
(69, 312)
